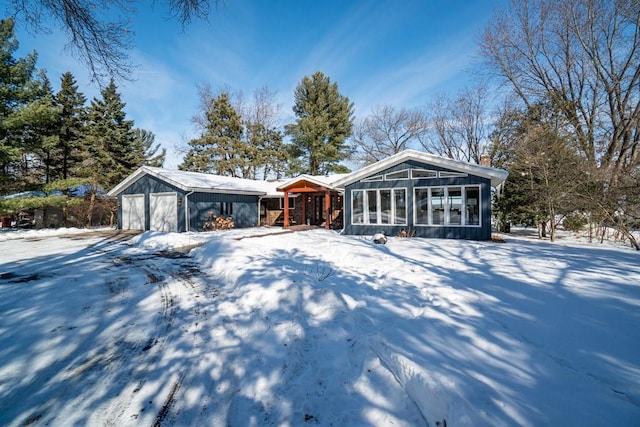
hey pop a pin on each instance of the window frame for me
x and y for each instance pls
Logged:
(365, 201)
(389, 176)
(430, 171)
(447, 205)
(291, 199)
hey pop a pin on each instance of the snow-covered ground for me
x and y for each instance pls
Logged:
(315, 328)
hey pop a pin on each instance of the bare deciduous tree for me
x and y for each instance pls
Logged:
(98, 40)
(458, 126)
(583, 56)
(387, 131)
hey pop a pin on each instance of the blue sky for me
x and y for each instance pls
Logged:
(400, 53)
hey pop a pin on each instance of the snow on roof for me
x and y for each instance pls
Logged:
(202, 182)
(327, 181)
(497, 176)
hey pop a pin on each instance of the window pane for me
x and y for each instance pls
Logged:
(385, 206)
(472, 196)
(421, 204)
(455, 205)
(423, 173)
(372, 206)
(397, 175)
(357, 207)
(437, 206)
(444, 174)
(400, 200)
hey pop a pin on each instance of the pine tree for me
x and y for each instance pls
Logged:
(325, 121)
(149, 152)
(220, 149)
(112, 146)
(20, 85)
(71, 132)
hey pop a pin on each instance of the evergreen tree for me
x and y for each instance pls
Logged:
(324, 122)
(112, 148)
(546, 173)
(20, 85)
(149, 152)
(220, 149)
(41, 120)
(70, 136)
(271, 155)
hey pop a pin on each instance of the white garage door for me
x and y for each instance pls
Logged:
(133, 212)
(163, 208)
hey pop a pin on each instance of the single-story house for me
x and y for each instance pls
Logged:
(423, 194)
(428, 195)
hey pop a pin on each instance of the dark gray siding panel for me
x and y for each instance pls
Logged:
(147, 185)
(482, 232)
(245, 209)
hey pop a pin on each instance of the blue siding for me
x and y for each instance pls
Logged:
(245, 207)
(146, 185)
(481, 232)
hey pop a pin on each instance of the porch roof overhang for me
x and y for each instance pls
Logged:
(309, 184)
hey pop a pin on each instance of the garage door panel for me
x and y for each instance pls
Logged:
(163, 211)
(133, 212)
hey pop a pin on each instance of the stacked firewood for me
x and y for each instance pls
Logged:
(214, 222)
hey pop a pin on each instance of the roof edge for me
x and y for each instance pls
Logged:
(496, 175)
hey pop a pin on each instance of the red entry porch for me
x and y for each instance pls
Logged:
(320, 204)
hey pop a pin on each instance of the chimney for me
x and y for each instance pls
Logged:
(485, 159)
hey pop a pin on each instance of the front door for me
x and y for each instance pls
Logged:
(317, 209)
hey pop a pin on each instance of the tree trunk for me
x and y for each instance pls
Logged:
(542, 229)
(92, 201)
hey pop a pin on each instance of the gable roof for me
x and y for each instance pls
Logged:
(497, 176)
(201, 182)
(326, 181)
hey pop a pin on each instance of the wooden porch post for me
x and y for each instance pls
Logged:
(286, 208)
(327, 208)
(303, 196)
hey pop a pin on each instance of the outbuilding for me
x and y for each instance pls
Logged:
(421, 194)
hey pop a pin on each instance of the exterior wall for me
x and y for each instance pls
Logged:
(244, 212)
(146, 185)
(479, 232)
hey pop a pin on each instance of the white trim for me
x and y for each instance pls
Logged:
(447, 174)
(168, 220)
(446, 218)
(365, 206)
(497, 176)
(387, 178)
(375, 178)
(157, 173)
(125, 221)
(435, 173)
(292, 198)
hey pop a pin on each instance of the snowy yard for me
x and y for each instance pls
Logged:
(315, 328)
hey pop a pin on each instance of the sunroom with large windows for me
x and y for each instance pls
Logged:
(422, 195)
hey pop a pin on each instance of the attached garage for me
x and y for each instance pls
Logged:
(133, 212)
(176, 201)
(163, 209)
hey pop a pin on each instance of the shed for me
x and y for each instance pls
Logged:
(421, 193)
(166, 200)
